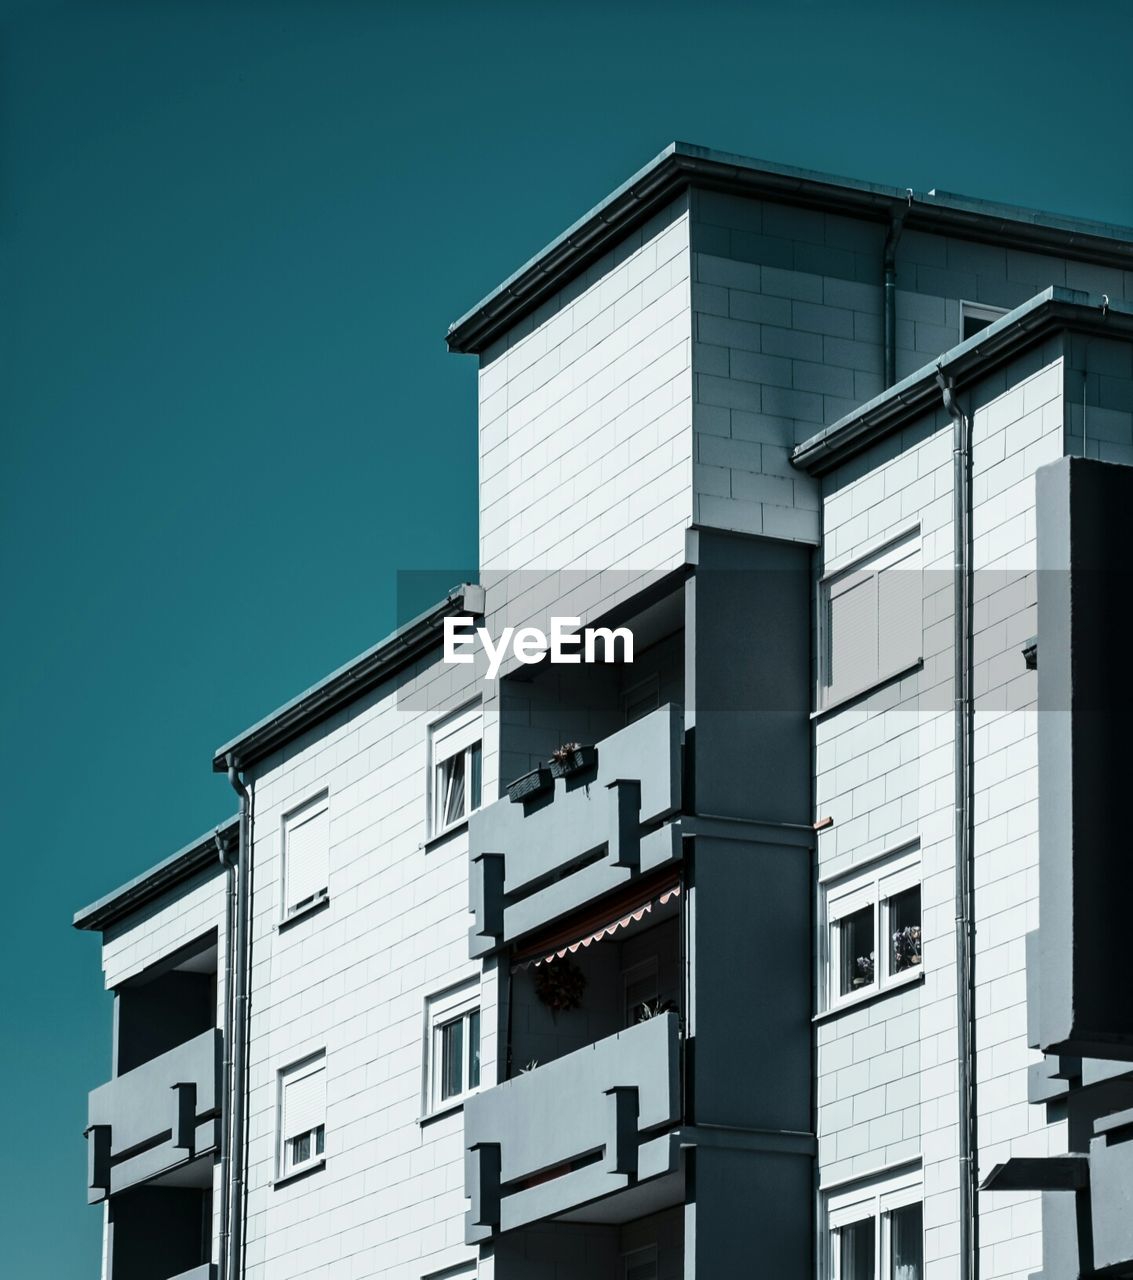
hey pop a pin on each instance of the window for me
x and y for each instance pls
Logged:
(870, 618)
(640, 1264)
(455, 765)
(306, 842)
(974, 317)
(453, 1048)
(640, 987)
(876, 1230)
(881, 904)
(302, 1115)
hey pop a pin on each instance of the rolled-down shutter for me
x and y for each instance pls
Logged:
(304, 1101)
(900, 593)
(456, 734)
(853, 634)
(306, 856)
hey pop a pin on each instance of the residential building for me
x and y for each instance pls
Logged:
(807, 962)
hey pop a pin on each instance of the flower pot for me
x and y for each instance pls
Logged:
(580, 759)
(530, 784)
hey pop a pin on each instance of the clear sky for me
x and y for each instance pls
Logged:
(232, 236)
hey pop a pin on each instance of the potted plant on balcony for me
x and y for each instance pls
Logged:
(559, 984)
(570, 758)
(906, 948)
(863, 966)
(530, 784)
(653, 1009)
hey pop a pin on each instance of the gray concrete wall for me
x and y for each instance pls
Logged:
(787, 338)
(886, 1069)
(353, 979)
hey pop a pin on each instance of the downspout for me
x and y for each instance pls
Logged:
(226, 1072)
(962, 774)
(240, 1026)
(889, 272)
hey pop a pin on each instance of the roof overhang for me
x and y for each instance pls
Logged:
(1053, 310)
(682, 165)
(341, 687)
(180, 866)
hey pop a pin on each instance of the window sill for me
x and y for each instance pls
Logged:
(449, 1109)
(446, 834)
(868, 997)
(847, 699)
(312, 908)
(297, 1175)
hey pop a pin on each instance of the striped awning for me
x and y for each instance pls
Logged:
(604, 921)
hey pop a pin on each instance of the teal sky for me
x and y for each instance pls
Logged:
(232, 236)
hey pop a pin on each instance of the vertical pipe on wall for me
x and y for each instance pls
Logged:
(962, 774)
(226, 1072)
(239, 1027)
(889, 274)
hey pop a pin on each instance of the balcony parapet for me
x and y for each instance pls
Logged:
(156, 1117)
(1111, 1190)
(535, 860)
(586, 1126)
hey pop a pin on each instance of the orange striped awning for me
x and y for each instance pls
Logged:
(601, 922)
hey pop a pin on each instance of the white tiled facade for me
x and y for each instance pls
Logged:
(665, 388)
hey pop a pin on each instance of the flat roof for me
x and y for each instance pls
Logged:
(135, 893)
(341, 687)
(682, 164)
(1047, 312)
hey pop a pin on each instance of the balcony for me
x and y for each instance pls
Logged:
(596, 1123)
(534, 860)
(155, 1118)
(1111, 1177)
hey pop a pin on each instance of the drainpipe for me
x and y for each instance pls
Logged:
(962, 773)
(226, 1072)
(240, 1026)
(889, 268)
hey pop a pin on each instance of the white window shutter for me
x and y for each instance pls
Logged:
(853, 634)
(304, 1102)
(457, 734)
(306, 857)
(899, 615)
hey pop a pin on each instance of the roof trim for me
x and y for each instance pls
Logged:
(1048, 312)
(349, 682)
(683, 164)
(134, 894)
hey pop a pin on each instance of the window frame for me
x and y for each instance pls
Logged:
(306, 811)
(875, 1199)
(978, 311)
(633, 1258)
(292, 1072)
(903, 546)
(648, 967)
(873, 884)
(442, 1010)
(453, 723)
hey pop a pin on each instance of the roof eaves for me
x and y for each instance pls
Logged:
(172, 871)
(356, 677)
(682, 164)
(1052, 309)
